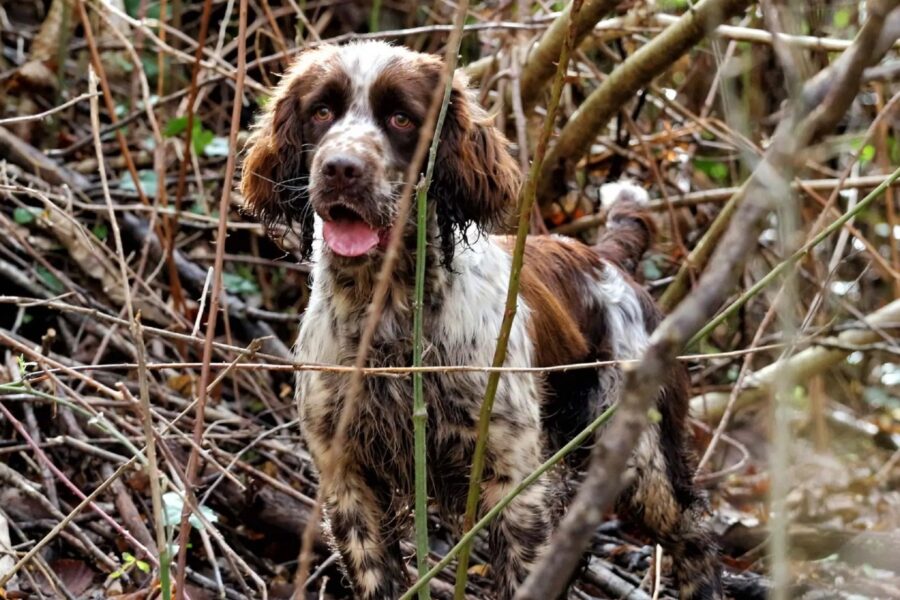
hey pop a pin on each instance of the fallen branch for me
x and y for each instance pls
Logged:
(803, 365)
(542, 60)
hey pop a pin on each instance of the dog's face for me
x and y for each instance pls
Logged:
(338, 136)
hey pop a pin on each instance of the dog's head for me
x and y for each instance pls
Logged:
(338, 135)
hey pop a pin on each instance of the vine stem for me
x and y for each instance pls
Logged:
(793, 258)
(420, 411)
(526, 203)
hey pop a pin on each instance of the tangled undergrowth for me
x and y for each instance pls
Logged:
(813, 354)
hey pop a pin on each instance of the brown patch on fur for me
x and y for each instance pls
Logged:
(557, 338)
(476, 179)
(552, 280)
(275, 164)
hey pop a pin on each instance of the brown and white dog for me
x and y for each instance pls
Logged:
(329, 153)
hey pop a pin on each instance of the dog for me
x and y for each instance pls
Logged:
(328, 155)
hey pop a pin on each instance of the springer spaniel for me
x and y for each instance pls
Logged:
(330, 152)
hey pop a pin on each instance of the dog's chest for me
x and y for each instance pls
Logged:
(461, 332)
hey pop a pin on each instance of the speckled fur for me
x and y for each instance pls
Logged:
(577, 303)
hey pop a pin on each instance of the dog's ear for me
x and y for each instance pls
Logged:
(476, 179)
(275, 177)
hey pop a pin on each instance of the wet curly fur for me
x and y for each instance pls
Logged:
(577, 303)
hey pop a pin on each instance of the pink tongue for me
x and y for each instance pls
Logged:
(350, 238)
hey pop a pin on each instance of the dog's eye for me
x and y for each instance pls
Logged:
(401, 121)
(323, 114)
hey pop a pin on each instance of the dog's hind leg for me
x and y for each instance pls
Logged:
(663, 500)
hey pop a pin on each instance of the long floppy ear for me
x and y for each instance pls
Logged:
(274, 178)
(476, 180)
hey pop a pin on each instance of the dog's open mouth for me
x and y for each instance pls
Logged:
(348, 234)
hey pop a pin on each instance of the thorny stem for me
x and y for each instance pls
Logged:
(188, 136)
(526, 202)
(420, 412)
(779, 268)
(489, 516)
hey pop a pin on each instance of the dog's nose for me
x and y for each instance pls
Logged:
(342, 170)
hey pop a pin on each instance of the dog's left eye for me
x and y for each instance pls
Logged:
(401, 121)
(323, 114)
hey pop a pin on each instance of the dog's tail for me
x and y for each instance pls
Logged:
(629, 225)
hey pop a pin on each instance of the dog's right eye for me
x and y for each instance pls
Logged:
(323, 114)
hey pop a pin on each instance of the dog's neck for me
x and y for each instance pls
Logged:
(352, 289)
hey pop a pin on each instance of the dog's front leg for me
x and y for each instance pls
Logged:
(519, 533)
(363, 535)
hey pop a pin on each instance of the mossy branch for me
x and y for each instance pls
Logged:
(542, 60)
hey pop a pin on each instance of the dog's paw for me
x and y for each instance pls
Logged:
(624, 190)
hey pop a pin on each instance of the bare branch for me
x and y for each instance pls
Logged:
(624, 82)
(643, 380)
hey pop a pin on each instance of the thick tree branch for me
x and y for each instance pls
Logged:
(643, 379)
(542, 60)
(626, 80)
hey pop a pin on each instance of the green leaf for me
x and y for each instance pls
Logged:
(147, 177)
(651, 270)
(151, 66)
(201, 138)
(50, 281)
(100, 231)
(217, 147)
(239, 284)
(841, 18)
(23, 215)
(175, 126)
(128, 557)
(867, 154)
(23, 366)
(717, 171)
(143, 566)
(173, 506)
(654, 415)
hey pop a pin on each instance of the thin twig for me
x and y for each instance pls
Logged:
(140, 351)
(420, 412)
(205, 372)
(48, 112)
